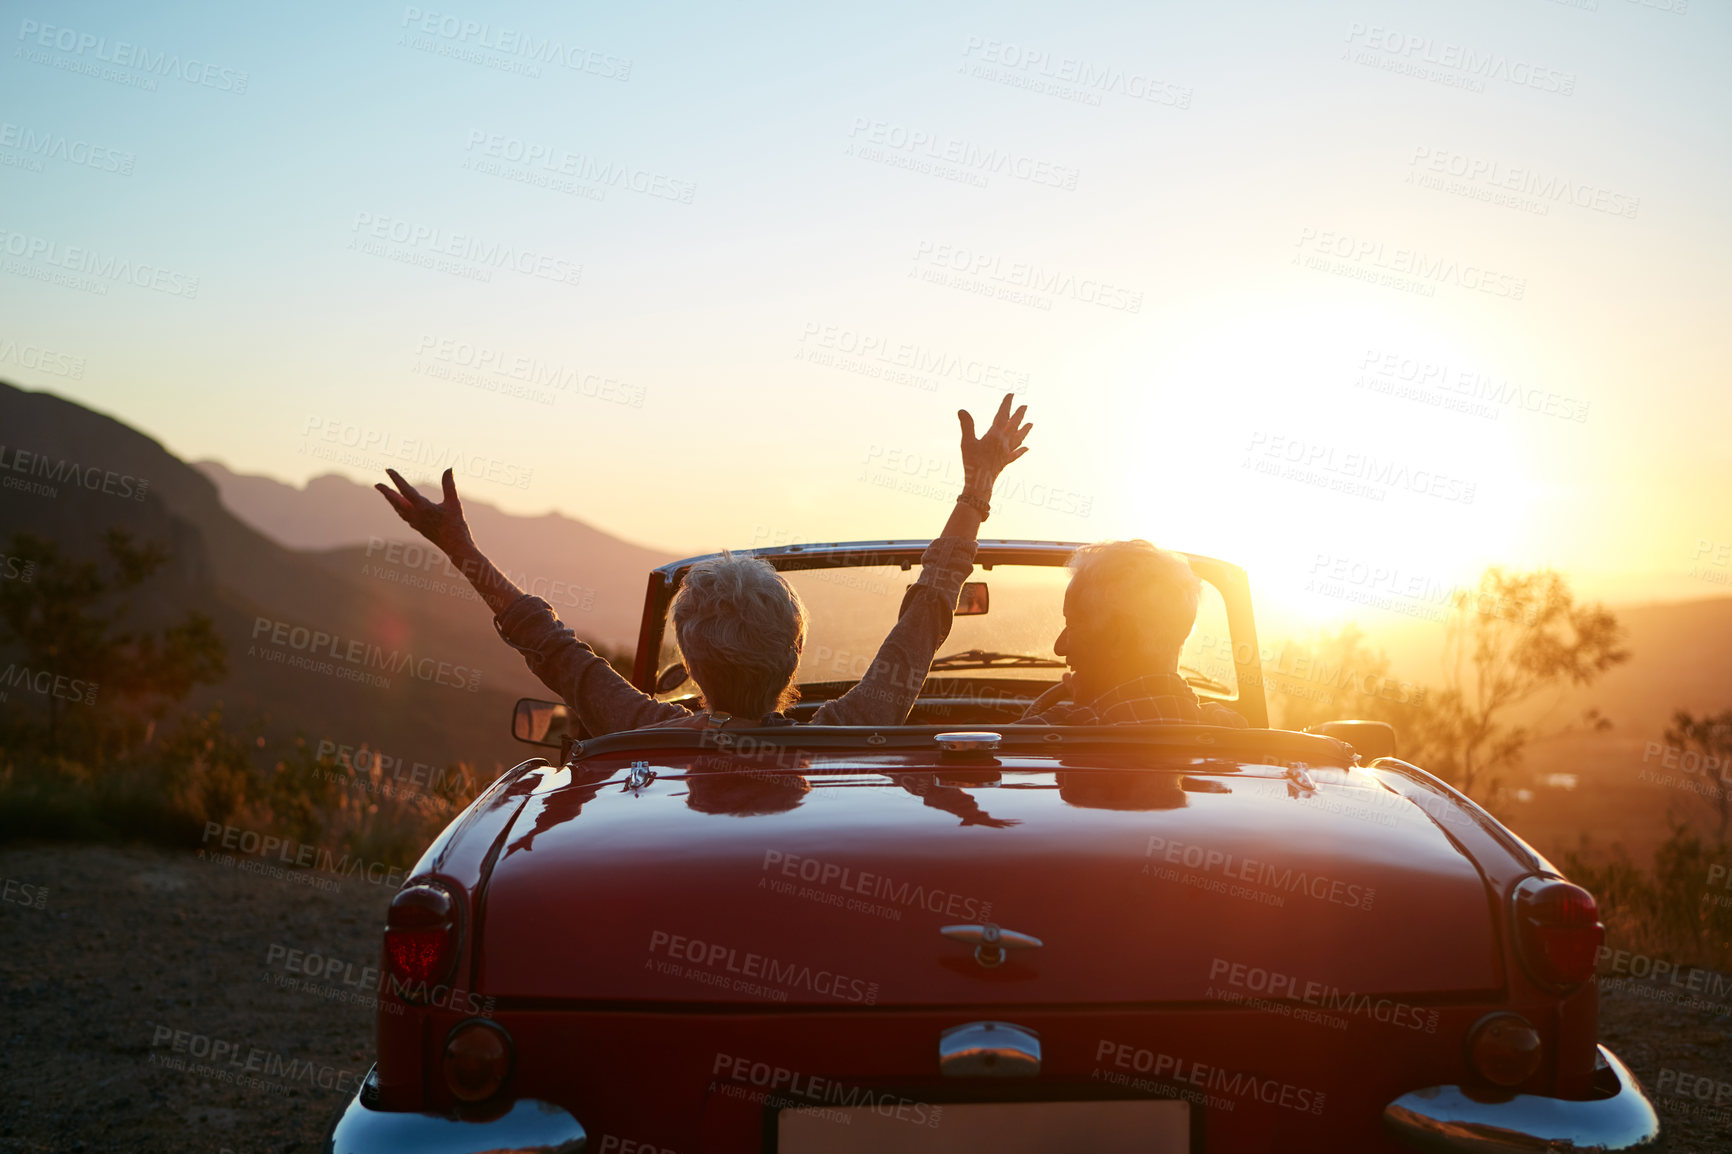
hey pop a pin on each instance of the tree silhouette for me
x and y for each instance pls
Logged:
(1336, 676)
(1517, 637)
(69, 621)
(1711, 736)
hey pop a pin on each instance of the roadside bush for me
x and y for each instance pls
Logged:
(166, 788)
(143, 768)
(1679, 908)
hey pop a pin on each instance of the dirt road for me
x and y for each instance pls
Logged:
(161, 1001)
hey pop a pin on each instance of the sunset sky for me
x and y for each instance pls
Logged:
(1396, 290)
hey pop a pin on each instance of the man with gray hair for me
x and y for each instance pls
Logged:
(740, 626)
(1127, 612)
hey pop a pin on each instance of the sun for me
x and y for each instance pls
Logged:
(1304, 441)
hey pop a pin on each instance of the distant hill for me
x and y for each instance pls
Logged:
(571, 564)
(1613, 785)
(1680, 657)
(397, 659)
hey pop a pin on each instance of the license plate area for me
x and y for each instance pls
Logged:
(1099, 1126)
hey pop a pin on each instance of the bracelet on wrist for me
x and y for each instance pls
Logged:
(977, 503)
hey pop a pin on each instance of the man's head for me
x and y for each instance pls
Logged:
(1127, 613)
(740, 628)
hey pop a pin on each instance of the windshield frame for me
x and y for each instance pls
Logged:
(1228, 579)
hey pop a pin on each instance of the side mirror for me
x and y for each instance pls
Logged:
(1369, 739)
(672, 678)
(973, 600)
(541, 722)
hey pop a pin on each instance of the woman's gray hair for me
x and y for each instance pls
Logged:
(740, 629)
(1152, 587)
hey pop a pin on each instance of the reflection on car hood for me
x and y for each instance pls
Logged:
(1192, 882)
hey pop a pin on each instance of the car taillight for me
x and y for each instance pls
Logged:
(1504, 1049)
(420, 939)
(477, 1059)
(1558, 931)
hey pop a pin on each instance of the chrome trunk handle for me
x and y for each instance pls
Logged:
(992, 944)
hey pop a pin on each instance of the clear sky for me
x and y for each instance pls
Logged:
(1384, 288)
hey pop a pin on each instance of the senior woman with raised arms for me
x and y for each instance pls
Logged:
(740, 627)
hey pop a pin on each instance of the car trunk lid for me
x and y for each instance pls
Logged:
(1191, 882)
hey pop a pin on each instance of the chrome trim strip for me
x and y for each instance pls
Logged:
(1448, 794)
(529, 1127)
(1444, 1118)
(434, 856)
(1261, 746)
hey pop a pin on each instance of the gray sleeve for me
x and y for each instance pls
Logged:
(604, 701)
(888, 690)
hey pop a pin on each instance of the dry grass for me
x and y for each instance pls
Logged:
(1679, 908)
(167, 788)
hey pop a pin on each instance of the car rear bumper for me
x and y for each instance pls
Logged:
(529, 1126)
(1445, 1118)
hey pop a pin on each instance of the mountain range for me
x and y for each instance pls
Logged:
(595, 581)
(281, 567)
(338, 626)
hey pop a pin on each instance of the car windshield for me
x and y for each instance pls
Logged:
(851, 609)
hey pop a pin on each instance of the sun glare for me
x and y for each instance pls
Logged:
(1315, 447)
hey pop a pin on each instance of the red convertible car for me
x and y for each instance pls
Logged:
(966, 934)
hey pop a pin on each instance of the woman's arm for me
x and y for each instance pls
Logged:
(888, 690)
(605, 702)
(983, 459)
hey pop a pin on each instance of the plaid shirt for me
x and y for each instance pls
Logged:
(1157, 697)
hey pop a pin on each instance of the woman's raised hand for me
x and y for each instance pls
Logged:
(984, 457)
(442, 524)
